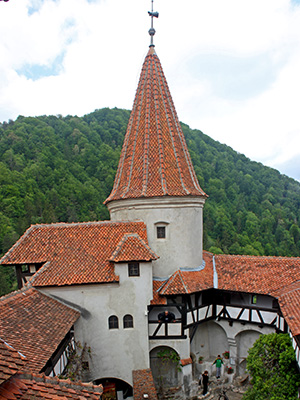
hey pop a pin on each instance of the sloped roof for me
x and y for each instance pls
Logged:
(26, 323)
(154, 160)
(289, 301)
(143, 384)
(11, 361)
(157, 297)
(256, 274)
(275, 276)
(75, 253)
(132, 247)
(32, 386)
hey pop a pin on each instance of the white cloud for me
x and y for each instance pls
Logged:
(232, 66)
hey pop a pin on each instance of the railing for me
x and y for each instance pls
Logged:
(167, 330)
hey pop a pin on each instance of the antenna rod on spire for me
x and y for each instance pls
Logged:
(152, 30)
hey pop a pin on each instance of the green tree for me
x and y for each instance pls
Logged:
(272, 366)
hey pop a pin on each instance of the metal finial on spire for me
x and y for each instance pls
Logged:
(152, 30)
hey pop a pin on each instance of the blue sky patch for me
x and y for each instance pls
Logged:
(232, 77)
(38, 71)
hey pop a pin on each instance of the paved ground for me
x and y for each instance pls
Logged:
(234, 396)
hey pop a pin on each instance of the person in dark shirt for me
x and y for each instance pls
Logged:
(204, 381)
(166, 316)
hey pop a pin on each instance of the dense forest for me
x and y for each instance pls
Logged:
(55, 168)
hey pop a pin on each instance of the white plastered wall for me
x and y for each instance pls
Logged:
(183, 219)
(114, 352)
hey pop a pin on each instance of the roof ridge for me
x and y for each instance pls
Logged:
(62, 382)
(11, 348)
(15, 292)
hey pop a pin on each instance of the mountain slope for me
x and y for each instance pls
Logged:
(62, 169)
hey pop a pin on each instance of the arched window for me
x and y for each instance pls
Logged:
(128, 321)
(113, 322)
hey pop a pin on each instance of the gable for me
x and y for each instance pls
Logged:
(73, 254)
(34, 325)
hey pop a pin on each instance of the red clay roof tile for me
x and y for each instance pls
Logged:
(31, 386)
(289, 301)
(132, 247)
(143, 384)
(27, 324)
(11, 361)
(256, 274)
(76, 253)
(157, 298)
(275, 276)
(155, 160)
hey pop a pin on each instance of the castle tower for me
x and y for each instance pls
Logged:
(155, 180)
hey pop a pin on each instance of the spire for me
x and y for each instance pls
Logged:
(154, 160)
(152, 30)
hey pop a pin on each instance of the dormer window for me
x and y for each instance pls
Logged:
(134, 269)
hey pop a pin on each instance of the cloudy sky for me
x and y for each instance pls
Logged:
(233, 67)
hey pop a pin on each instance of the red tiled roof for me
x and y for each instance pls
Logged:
(256, 274)
(186, 361)
(27, 324)
(143, 384)
(275, 276)
(155, 160)
(11, 361)
(289, 301)
(132, 247)
(157, 298)
(30, 386)
(252, 274)
(189, 281)
(75, 253)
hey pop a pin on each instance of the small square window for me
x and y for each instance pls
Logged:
(254, 299)
(134, 269)
(161, 232)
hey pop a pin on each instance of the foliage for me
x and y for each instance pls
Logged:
(229, 370)
(61, 169)
(272, 366)
(167, 355)
(78, 356)
(226, 354)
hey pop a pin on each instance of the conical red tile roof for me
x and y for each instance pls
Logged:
(155, 160)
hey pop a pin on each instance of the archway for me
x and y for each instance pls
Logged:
(165, 366)
(114, 389)
(244, 341)
(209, 340)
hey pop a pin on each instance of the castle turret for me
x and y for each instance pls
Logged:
(155, 180)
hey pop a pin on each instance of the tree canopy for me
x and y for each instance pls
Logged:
(272, 366)
(61, 169)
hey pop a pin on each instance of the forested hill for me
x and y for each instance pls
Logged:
(62, 169)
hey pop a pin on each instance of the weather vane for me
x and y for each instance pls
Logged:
(152, 30)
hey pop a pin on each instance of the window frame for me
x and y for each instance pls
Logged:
(134, 269)
(159, 230)
(113, 322)
(127, 321)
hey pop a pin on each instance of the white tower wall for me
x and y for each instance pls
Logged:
(182, 218)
